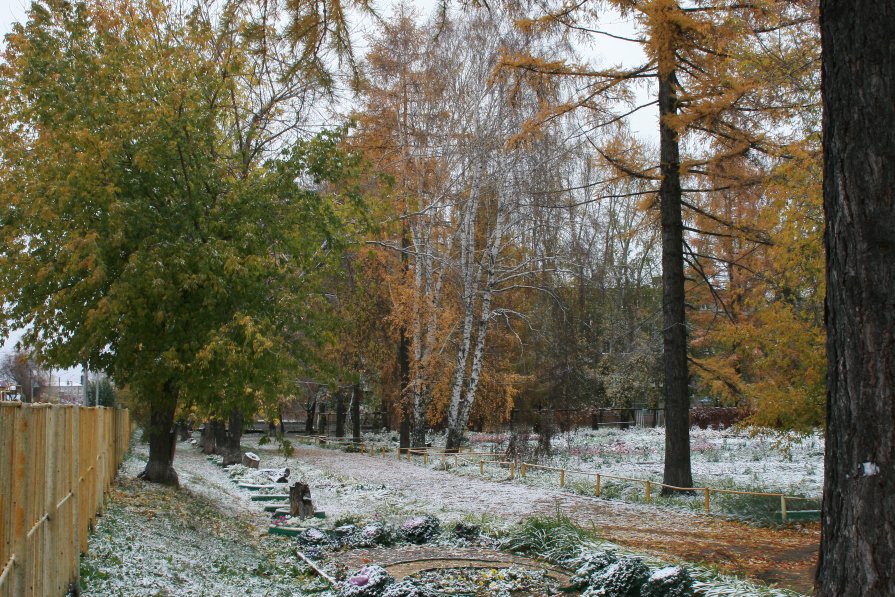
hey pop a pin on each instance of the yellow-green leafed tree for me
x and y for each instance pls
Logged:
(161, 219)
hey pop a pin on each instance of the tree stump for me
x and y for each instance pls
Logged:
(300, 503)
(251, 460)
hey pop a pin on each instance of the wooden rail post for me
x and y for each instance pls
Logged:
(783, 508)
(706, 500)
(482, 467)
(512, 470)
(523, 470)
(647, 492)
(598, 484)
(562, 477)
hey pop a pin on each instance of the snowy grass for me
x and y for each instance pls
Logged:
(209, 539)
(158, 541)
(740, 460)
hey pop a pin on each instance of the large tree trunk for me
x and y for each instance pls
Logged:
(310, 413)
(233, 450)
(858, 523)
(356, 396)
(220, 437)
(340, 413)
(674, 338)
(208, 438)
(162, 439)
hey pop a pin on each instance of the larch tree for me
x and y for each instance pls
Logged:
(154, 225)
(858, 517)
(711, 97)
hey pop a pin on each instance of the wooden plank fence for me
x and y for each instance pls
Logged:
(56, 464)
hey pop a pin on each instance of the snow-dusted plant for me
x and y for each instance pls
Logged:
(420, 529)
(671, 581)
(469, 532)
(237, 470)
(313, 537)
(285, 521)
(624, 578)
(369, 581)
(589, 564)
(370, 535)
(408, 588)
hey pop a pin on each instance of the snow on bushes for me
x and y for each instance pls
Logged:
(623, 578)
(407, 588)
(671, 581)
(589, 564)
(467, 532)
(420, 529)
(369, 581)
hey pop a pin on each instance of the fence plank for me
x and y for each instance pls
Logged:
(57, 462)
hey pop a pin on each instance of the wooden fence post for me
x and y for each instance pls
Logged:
(706, 500)
(562, 477)
(598, 484)
(647, 492)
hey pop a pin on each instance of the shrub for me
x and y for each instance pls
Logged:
(420, 529)
(469, 532)
(556, 538)
(672, 581)
(407, 588)
(372, 534)
(624, 578)
(369, 581)
(589, 564)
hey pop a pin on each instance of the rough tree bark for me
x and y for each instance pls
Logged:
(162, 438)
(208, 437)
(674, 338)
(355, 413)
(340, 413)
(233, 450)
(858, 523)
(310, 412)
(220, 437)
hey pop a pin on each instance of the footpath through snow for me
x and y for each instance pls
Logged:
(785, 557)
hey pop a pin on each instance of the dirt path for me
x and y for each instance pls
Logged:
(781, 557)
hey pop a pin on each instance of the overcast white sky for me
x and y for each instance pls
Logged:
(644, 124)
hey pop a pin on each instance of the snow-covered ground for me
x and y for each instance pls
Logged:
(731, 459)
(209, 538)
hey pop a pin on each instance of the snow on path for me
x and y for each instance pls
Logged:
(785, 557)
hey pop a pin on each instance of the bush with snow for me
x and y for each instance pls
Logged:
(420, 529)
(369, 581)
(313, 537)
(671, 581)
(468, 532)
(372, 534)
(407, 588)
(624, 578)
(589, 564)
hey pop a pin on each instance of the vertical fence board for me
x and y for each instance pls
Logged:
(57, 462)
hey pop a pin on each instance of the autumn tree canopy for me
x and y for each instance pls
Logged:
(152, 227)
